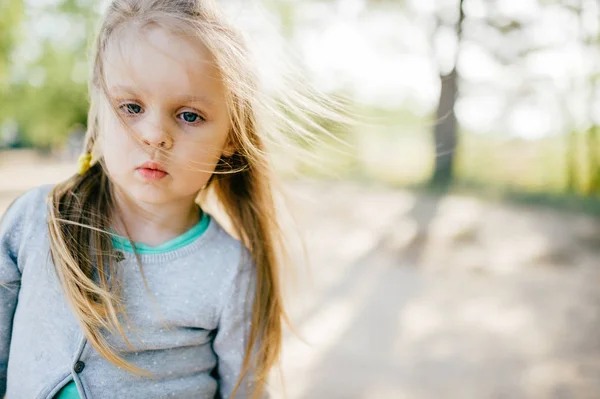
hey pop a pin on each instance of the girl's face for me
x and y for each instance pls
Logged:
(171, 97)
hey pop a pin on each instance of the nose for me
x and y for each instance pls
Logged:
(156, 133)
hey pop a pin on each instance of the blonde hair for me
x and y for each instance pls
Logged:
(83, 206)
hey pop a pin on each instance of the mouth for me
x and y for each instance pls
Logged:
(151, 171)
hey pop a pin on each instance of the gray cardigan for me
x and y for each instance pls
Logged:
(190, 333)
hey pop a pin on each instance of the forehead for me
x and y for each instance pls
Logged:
(152, 60)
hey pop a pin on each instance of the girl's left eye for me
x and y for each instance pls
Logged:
(190, 117)
(131, 108)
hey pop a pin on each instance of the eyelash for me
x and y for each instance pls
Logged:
(125, 107)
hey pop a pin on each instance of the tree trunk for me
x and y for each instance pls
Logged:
(445, 132)
(571, 158)
(590, 38)
(594, 168)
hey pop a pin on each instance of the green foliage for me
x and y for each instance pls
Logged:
(46, 96)
(11, 15)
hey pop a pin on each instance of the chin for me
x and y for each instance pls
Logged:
(149, 195)
(144, 193)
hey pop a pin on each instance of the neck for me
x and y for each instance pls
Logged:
(154, 224)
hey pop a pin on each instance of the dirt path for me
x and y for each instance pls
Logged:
(425, 298)
(422, 298)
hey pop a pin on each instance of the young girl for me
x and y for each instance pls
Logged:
(116, 283)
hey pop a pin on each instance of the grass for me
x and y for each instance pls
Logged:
(400, 154)
(564, 202)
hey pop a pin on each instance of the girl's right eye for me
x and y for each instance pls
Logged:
(131, 108)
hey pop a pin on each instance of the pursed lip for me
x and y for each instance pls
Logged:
(151, 165)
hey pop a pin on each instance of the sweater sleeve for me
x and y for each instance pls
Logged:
(11, 224)
(234, 329)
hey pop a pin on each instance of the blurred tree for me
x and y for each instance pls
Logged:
(45, 92)
(594, 166)
(512, 38)
(286, 11)
(571, 161)
(11, 17)
(591, 39)
(572, 142)
(582, 143)
(445, 131)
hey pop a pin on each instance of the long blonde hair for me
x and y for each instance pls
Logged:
(83, 206)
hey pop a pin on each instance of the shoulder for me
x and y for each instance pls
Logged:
(23, 219)
(29, 205)
(234, 259)
(230, 249)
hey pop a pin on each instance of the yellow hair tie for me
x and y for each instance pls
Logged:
(84, 163)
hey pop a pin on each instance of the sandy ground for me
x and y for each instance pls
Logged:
(418, 297)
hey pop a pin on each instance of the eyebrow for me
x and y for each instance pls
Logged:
(187, 98)
(191, 98)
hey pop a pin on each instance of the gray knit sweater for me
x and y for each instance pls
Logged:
(190, 331)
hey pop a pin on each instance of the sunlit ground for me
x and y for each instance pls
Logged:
(418, 297)
(413, 296)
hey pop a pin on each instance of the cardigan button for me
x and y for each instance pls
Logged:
(119, 257)
(79, 366)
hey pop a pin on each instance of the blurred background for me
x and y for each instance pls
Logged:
(453, 242)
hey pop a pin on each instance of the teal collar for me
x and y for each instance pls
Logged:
(186, 238)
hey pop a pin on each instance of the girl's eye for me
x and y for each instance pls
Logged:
(190, 117)
(131, 108)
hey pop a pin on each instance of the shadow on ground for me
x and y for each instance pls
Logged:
(421, 297)
(453, 297)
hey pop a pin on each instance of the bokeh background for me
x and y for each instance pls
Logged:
(453, 241)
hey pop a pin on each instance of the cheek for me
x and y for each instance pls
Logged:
(200, 157)
(113, 161)
(118, 137)
(198, 164)
(116, 149)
